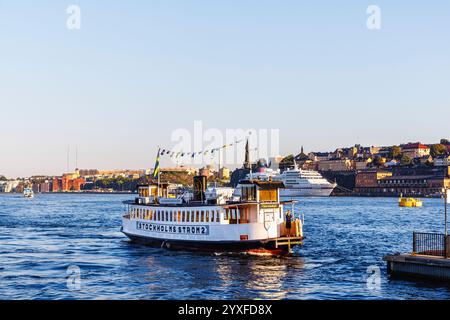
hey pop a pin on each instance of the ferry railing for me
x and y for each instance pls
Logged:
(430, 244)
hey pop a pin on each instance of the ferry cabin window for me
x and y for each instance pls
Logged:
(249, 193)
(197, 216)
(227, 214)
(144, 192)
(268, 195)
(234, 216)
(179, 216)
(207, 216)
(244, 215)
(218, 216)
(188, 216)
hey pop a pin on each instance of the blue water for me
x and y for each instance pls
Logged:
(42, 237)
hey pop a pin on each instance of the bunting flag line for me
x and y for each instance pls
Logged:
(182, 154)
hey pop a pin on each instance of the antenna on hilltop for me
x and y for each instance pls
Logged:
(68, 158)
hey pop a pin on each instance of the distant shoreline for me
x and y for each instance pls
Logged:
(115, 192)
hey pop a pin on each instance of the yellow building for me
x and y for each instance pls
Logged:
(336, 165)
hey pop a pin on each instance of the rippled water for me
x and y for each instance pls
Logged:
(42, 237)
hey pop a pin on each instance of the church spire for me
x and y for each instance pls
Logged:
(247, 156)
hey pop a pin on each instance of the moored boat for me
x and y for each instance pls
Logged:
(409, 202)
(28, 193)
(256, 223)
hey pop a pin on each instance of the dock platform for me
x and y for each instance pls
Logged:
(419, 266)
(430, 258)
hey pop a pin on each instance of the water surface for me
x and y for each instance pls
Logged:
(40, 238)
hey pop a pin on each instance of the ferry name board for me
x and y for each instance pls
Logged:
(172, 229)
(270, 206)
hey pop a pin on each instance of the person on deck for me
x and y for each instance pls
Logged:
(288, 221)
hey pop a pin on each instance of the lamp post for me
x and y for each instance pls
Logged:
(446, 199)
(446, 242)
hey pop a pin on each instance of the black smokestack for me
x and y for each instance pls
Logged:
(200, 183)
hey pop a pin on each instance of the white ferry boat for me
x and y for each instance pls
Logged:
(255, 224)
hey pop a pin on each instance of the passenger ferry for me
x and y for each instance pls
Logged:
(254, 224)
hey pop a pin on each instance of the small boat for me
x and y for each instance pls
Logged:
(28, 193)
(409, 202)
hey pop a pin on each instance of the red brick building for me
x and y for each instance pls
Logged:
(67, 183)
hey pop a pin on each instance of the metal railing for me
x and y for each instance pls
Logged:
(431, 244)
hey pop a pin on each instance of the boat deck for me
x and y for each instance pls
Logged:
(288, 241)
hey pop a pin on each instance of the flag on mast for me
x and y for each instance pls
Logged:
(156, 170)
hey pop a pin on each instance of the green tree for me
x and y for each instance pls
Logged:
(395, 152)
(445, 142)
(3, 178)
(437, 149)
(405, 161)
(287, 160)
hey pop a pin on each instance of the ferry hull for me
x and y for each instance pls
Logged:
(256, 247)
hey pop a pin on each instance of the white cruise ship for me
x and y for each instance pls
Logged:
(304, 183)
(298, 182)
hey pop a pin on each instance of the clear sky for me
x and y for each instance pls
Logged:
(138, 70)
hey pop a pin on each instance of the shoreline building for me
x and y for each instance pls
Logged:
(415, 150)
(408, 181)
(68, 182)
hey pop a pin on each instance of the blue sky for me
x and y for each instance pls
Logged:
(138, 70)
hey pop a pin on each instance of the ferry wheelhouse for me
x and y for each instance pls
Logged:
(256, 223)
